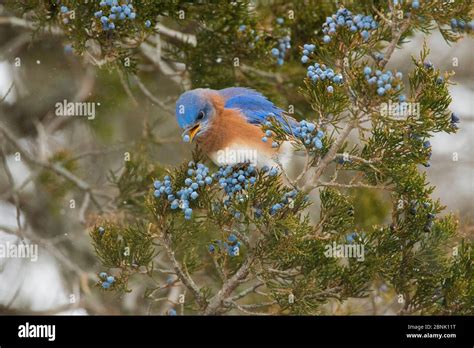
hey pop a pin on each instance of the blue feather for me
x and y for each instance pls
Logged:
(253, 105)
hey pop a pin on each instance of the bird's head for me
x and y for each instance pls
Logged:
(194, 111)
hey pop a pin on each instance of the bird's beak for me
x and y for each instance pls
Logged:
(192, 131)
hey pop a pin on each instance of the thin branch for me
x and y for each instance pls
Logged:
(331, 154)
(54, 167)
(23, 23)
(16, 198)
(357, 185)
(247, 291)
(177, 35)
(8, 92)
(152, 98)
(187, 281)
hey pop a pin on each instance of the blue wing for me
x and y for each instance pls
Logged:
(256, 107)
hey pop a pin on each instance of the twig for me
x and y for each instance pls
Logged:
(54, 167)
(150, 96)
(187, 281)
(8, 92)
(357, 185)
(174, 34)
(16, 198)
(247, 291)
(331, 154)
(19, 22)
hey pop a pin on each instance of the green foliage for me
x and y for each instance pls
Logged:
(407, 243)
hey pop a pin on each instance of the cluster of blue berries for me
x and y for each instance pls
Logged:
(304, 131)
(235, 181)
(107, 280)
(113, 10)
(286, 200)
(65, 14)
(253, 34)
(307, 50)
(384, 81)
(343, 18)
(308, 134)
(232, 246)
(197, 176)
(415, 206)
(284, 44)
(319, 72)
(460, 25)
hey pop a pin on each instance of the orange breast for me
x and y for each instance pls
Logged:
(230, 127)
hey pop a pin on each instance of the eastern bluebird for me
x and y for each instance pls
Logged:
(227, 124)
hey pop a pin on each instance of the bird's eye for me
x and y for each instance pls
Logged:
(200, 115)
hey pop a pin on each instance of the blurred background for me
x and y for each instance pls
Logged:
(48, 210)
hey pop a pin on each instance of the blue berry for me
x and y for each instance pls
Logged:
(367, 70)
(147, 23)
(110, 279)
(64, 9)
(103, 275)
(186, 138)
(330, 89)
(380, 91)
(365, 35)
(317, 143)
(174, 204)
(106, 285)
(415, 4)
